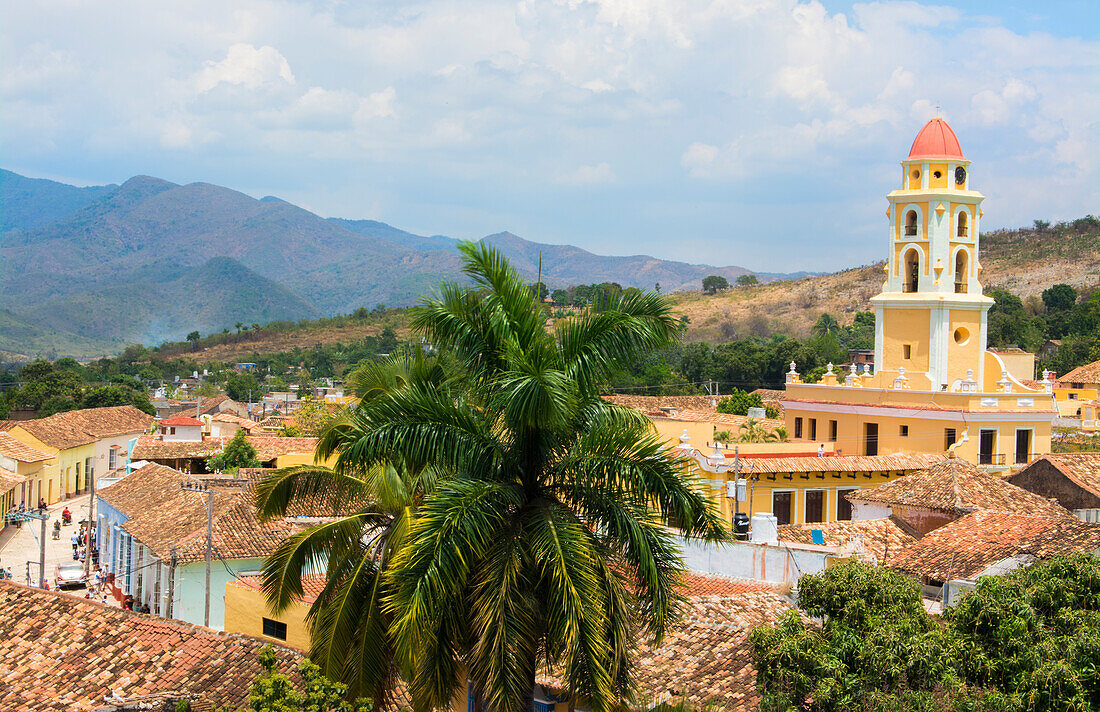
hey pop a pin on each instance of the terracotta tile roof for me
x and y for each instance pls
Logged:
(697, 585)
(151, 447)
(63, 653)
(955, 486)
(843, 463)
(883, 539)
(12, 448)
(250, 425)
(1082, 468)
(9, 480)
(80, 427)
(1089, 373)
(706, 658)
(162, 515)
(180, 420)
(208, 406)
(648, 403)
(967, 546)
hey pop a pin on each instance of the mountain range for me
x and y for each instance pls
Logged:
(85, 271)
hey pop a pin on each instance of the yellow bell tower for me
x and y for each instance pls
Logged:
(930, 319)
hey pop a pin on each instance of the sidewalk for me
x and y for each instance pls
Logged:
(20, 545)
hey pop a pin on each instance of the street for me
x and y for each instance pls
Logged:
(19, 546)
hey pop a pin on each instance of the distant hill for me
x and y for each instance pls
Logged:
(137, 262)
(32, 202)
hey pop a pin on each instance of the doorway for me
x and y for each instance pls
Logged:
(1023, 446)
(781, 506)
(987, 446)
(870, 439)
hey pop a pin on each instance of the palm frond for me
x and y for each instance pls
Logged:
(331, 492)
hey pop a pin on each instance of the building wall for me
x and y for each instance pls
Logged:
(62, 482)
(183, 434)
(245, 610)
(103, 453)
(1069, 400)
(191, 588)
(1020, 365)
(759, 562)
(34, 475)
(1046, 480)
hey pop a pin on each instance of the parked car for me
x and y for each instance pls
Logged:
(69, 574)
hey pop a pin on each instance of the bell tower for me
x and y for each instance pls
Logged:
(930, 318)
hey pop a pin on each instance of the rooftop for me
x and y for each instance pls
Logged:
(1082, 468)
(936, 140)
(180, 420)
(80, 427)
(66, 653)
(15, 450)
(151, 447)
(955, 486)
(883, 539)
(1089, 373)
(966, 547)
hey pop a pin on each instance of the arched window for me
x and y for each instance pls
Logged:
(962, 267)
(911, 223)
(911, 275)
(962, 224)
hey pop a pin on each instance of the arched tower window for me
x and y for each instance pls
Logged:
(911, 275)
(962, 224)
(962, 270)
(911, 223)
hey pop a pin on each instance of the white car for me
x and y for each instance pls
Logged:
(69, 574)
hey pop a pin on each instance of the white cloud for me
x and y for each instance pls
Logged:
(246, 66)
(588, 175)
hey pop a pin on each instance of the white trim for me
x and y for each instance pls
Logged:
(918, 413)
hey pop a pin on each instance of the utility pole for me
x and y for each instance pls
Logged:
(42, 552)
(91, 522)
(204, 489)
(171, 584)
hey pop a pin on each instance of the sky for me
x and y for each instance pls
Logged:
(760, 133)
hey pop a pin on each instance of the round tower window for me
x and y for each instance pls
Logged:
(936, 174)
(916, 174)
(962, 335)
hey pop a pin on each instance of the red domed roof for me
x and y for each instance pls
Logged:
(936, 140)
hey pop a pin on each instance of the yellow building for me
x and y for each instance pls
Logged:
(24, 472)
(246, 611)
(72, 450)
(936, 386)
(1077, 392)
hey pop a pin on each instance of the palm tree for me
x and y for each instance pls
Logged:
(542, 539)
(826, 324)
(373, 503)
(753, 431)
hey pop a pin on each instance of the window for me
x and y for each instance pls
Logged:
(962, 224)
(274, 629)
(904, 431)
(843, 506)
(911, 223)
(870, 439)
(112, 459)
(907, 351)
(172, 431)
(781, 506)
(798, 427)
(1072, 396)
(987, 446)
(962, 269)
(832, 431)
(948, 438)
(1023, 446)
(911, 274)
(813, 428)
(815, 506)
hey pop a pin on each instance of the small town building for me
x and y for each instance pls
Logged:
(191, 456)
(878, 541)
(180, 429)
(935, 386)
(985, 543)
(226, 425)
(930, 498)
(247, 611)
(23, 472)
(1077, 390)
(206, 406)
(1070, 478)
(62, 652)
(152, 540)
(84, 443)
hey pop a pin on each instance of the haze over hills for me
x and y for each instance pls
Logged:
(86, 270)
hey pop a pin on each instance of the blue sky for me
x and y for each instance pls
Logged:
(762, 133)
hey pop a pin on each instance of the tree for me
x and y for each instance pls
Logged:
(243, 387)
(238, 453)
(542, 539)
(747, 280)
(738, 402)
(753, 431)
(56, 404)
(1041, 225)
(106, 396)
(1060, 297)
(239, 325)
(387, 340)
(560, 297)
(273, 690)
(714, 284)
(194, 337)
(826, 324)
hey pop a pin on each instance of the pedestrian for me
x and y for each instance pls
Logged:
(75, 539)
(821, 450)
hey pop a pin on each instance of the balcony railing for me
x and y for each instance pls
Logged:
(962, 231)
(1022, 458)
(991, 458)
(960, 287)
(909, 287)
(910, 230)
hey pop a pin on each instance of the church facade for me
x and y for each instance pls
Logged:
(936, 387)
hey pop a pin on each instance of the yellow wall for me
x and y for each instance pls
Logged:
(59, 476)
(1069, 400)
(941, 182)
(925, 435)
(900, 327)
(245, 610)
(301, 458)
(968, 354)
